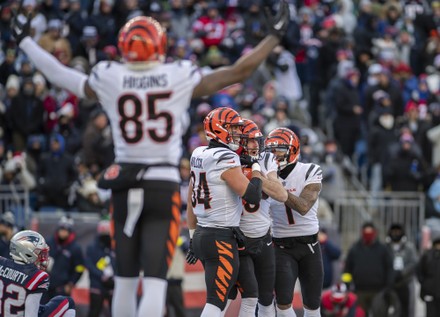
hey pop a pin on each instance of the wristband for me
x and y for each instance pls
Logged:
(191, 233)
(256, 167)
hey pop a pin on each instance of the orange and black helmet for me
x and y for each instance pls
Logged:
(283, 139)
(142, 39)
(251, 131)
(218, 124)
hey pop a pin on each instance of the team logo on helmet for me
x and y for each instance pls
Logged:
(142, 39)
(284, 143)
(224, 125)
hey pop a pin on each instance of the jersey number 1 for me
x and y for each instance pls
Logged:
(134, 117)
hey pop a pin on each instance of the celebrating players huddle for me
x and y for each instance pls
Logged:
(253, 218)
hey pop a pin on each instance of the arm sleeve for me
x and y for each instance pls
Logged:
(58, 74)
(32, 305)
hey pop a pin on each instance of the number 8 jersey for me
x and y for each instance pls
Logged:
(147, 110)
(214, 203)
(287, 222)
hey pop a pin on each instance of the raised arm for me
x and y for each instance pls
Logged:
(57, 73)
(247, 64)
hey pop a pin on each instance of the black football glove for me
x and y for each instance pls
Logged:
(20, 25)
(190, 256)
(247, 160)
(278, 24)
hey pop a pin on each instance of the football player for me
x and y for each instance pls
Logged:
(256, 276)
(216, 190)
(295, 227)
(145, 99)
(23, 280)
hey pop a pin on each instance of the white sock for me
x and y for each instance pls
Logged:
(125, 296)
(154, 292)
(286, 312)
(210, 311)
(266, 311)
(312, 313)
(70, 313)
(226, 308)
(248, 306)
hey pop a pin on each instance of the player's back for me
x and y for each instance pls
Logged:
(17, 282)
(146, 108)
(288, 222)
(215, 203)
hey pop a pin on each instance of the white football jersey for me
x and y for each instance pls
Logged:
(287, 222)
(146, 110)
(214, 203)
(255, 220)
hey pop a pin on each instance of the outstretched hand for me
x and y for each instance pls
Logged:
(278, 24)
(20, 25)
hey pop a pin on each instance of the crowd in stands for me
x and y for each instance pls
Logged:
(358, 79)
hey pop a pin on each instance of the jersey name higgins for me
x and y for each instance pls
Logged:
(12, 274)
(144, 82)
(196, 162)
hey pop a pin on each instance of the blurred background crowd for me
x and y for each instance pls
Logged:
(358, 81)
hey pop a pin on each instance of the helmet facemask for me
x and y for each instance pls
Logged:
(234, 138)
(253, 146)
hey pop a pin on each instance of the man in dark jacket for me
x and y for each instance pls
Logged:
(66, 261)
(25, 115)
(56, 172)
(100, 261)
(371, 266)
(428, 274)
(404, 265)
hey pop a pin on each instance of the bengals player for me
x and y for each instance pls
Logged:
(216, 190)
(295, 226)
(145, 99)
(256, 277)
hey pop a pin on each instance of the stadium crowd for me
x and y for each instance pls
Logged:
(359, 82)
(361, 79)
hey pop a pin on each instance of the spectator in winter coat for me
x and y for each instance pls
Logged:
(56, 173)
(66, 260)
(404, 265)
(428, 274)
(100, 262)
(330, 253)
(7, 230)
(371, 266)
(25, 115)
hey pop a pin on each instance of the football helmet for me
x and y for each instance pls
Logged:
(224, 125)
(142, 39)
(284, 143)
(29, 247)
(338, 293)
(250, 131)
